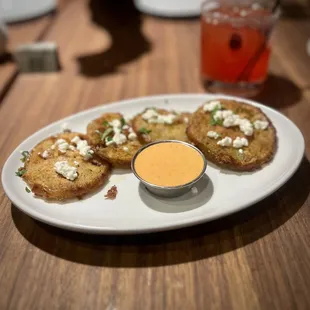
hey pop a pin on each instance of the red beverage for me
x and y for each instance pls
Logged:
(234, 45)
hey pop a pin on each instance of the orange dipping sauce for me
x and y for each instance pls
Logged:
(169, 164)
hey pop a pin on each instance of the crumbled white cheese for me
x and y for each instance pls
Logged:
(225, 142)
(246, 127)
(83, 147)
(227, 113)
(72, 148)
(211, 105)
(76, 163)
(63, 147)
(59, 141)
(163, 119)
(62, 144)
(117, 130)
(45, 154)
(240, 142)
(231, 120)
(76, 140)
(125, 148)
(194, 190)
(148, 114)
(153, 117)
(241, 151)
(132, 136)
(67, 171)
(219, 115)
(260, 125)
(116, 123)
(119, 138)
(213, 134)
(64, 127)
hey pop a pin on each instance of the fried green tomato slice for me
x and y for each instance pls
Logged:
(63, 167)
(233, 135)
(159, 124)
(114, 139)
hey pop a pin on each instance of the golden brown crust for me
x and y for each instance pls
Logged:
(175, 131)
(118, 155)
(45, 182)
(262, 145)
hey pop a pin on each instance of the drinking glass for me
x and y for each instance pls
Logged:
(235, 45)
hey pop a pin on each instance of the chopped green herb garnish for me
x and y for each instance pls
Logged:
(123, 122)
(106, 133)
(27, 190)
(144, 131)
(213, 121)
(109, 139)
(20, 172)
(106, 124)
(25, 155)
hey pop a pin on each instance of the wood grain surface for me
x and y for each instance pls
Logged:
(256, 259)
(17, 35)
(23, 33)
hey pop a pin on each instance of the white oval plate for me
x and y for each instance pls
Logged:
(135, 210)
(171, 8)
(14, 11)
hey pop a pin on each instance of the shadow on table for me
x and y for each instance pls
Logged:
(5, 58)
(123, 22)
(279, 92)
(174, 247)
(295, 10)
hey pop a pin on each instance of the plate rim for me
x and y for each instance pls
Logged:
(167, 12)
(109, 230)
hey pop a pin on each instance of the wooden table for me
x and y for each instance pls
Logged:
(256, 259)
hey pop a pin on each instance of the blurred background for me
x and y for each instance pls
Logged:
(140, 47)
